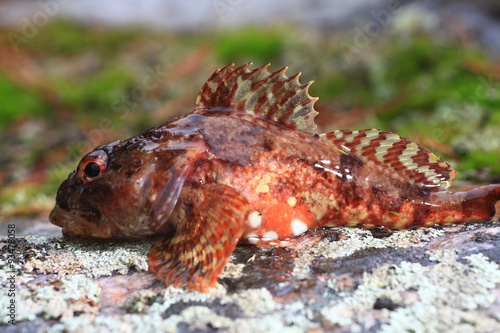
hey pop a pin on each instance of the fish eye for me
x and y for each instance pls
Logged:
(93, 165)
(92, 169)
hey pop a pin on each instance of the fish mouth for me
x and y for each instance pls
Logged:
(77, 222)
(59, 216)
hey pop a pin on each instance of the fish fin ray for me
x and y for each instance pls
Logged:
(393, 154)
(272, 95)
(197, 251)
(165, 201)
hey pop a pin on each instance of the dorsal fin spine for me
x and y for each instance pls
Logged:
(272, 95)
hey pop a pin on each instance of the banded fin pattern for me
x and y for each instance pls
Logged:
(273, 95)
(200, 247)
(390, 152)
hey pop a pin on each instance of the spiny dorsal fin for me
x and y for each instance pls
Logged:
(404, 159)
(273, 95)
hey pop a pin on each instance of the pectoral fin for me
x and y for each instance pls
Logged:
(197, 250)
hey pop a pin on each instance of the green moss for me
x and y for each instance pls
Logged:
(249, 44)
(95, 93)
(27, 196)
(18, 102)
(482, 160)
(64, 37)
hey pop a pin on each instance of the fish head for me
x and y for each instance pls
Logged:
(126, 189)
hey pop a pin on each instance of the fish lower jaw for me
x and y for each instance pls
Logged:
(58, 216)
(81, 223)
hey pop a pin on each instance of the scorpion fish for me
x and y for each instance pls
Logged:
(247, 167)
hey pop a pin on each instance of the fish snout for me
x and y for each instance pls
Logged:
(58, 216)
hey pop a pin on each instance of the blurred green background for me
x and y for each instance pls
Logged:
(72, 86)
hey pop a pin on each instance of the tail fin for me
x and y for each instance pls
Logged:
(478, 204)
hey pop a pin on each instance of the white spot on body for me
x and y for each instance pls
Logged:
(292, 201)
(254, 219)
(319, 166)
(251, 238)
(271, 234)
(298, 227)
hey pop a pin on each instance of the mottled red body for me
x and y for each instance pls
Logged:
(245, 165)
